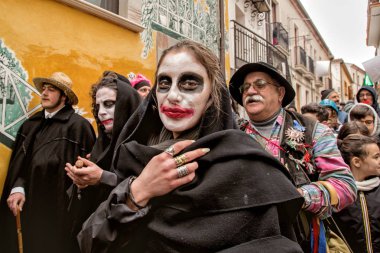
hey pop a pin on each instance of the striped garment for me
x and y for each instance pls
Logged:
(329, 165)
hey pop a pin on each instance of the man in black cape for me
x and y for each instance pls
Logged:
(36, 175)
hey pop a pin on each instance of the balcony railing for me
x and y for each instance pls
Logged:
(300, 56)
(280, 36)
(310, 65)
(300, 63)
(250, 47)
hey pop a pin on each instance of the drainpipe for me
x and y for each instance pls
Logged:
(222, 40)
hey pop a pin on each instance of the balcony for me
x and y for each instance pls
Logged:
(250, 47)
(319, 82)
(280, 38)
(310, 67)
(300, 63)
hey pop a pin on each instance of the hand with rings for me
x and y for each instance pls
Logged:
(166, 172)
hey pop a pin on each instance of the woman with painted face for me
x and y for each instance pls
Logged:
(113, 102)
(193, 183)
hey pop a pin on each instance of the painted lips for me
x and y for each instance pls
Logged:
(177, 112)
(107, 122)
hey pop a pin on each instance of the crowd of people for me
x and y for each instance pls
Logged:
(175, 169)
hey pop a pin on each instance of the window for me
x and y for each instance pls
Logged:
(109, 5)
(124, 13)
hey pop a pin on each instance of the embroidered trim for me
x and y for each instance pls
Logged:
(366, 223)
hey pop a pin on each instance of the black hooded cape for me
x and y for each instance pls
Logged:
(241, 200)
(127, 101)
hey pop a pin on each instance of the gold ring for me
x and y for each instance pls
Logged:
(170, 151)
(180, 160)
(182, 171)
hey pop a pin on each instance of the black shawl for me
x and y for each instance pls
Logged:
(242, 199)
(127, 101)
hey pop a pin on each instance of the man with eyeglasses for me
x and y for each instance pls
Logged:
(306, 148)
(367, 95)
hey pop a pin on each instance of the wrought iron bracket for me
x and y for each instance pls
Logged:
(256, 15)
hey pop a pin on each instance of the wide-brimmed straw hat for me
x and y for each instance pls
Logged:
(238, 79)
(59, 80)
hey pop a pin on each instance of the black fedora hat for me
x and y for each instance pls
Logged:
(238, 78)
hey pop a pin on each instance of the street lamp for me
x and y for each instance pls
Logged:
(261, 5)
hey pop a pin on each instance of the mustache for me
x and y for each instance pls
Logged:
(253, 98)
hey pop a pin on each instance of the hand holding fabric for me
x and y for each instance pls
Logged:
(162, 174)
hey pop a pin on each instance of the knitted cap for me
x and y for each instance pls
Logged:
(139, 81)
(326, 93)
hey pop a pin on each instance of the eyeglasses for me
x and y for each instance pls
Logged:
(258, 85)
(367, 122)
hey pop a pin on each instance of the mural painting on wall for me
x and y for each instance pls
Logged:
(15, 95)
(192, 19)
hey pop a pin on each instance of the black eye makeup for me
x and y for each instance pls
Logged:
(188, 82)
(106, 104)
(109, 103)
(164, 83)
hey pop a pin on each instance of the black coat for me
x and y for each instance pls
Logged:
(42, 148)
(240, 201)
(350, 222)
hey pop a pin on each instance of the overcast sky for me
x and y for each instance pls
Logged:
(343, 25)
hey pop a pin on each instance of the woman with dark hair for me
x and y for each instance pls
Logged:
(193, 183)
(113, 102)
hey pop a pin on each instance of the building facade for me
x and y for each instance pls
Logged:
(373, 25)
(281, 33)
(357, 75)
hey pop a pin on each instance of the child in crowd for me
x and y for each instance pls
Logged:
(316, 112)
(367, 115)
(360, 222)
(333, 121)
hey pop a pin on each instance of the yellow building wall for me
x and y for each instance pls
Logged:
(47, 36)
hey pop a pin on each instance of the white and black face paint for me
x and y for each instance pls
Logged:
(183, 91)
(105, 103)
